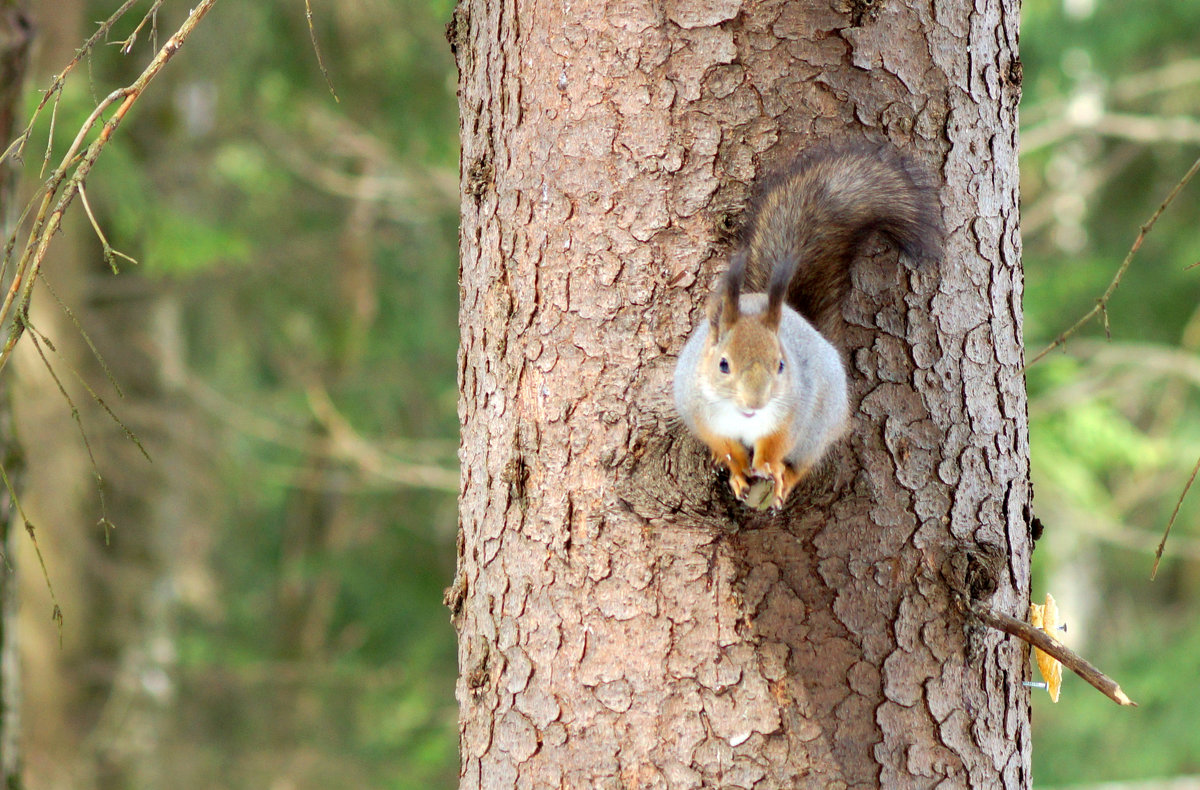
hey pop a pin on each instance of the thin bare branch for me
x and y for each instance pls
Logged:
(1101, 307)
(312, 33)
(152, 17)
(110, 254)
(56, 612)
(56, 85)
(1121, 126)
(50, 135)
(36, 336)
(64, 187)
(1130, 87)
(74, 319)
(347, 445)
(1041, 640)
(1158, 553)
(75, 416)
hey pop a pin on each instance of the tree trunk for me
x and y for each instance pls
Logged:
(98, 690)
(15, 38)
(622, 622)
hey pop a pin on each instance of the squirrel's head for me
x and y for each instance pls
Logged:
(743, 360)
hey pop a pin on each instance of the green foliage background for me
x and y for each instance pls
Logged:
(1109, 127)
(236, 184)
(312, 246)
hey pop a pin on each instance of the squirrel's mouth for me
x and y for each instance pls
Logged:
(748, 413)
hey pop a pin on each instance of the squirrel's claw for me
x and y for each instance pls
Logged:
(780, 488)
(738, 485)
(731, 457)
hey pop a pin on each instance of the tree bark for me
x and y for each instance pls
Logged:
(622, 622)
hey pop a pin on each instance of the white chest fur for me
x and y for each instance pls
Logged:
(725, 419)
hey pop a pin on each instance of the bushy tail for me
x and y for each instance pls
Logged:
(805, 225)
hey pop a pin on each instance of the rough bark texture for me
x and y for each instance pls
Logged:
(622, 622)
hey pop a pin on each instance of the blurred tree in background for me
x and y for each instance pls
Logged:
(1109, 127)
(267, 609)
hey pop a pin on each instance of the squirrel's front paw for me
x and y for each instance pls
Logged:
(737, 473)
(738, 484)
(779, 488)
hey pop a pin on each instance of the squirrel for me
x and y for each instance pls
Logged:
(761, 382)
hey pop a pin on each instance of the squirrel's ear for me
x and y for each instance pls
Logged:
(775, 295)
(724, 309)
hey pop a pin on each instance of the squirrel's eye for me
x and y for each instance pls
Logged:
(781, 366)
(724, 365)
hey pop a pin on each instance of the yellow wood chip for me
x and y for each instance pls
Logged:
(1045, 617)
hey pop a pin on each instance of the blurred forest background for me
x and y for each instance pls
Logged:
(266, 610)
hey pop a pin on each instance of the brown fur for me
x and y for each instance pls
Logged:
(802, 233)
(806, 223)
(732, 455)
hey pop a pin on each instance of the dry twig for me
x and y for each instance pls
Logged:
(1101, 307)
(56, 612)
(67, 179)
(151, 17)
(1162, 544)
(312, 33)
(55, 90)
(1044, 642)
(347, 445)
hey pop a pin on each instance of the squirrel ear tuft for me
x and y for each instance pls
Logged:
(724, 310)
(776, 292)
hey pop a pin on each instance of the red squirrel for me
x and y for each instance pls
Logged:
(760, 382)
